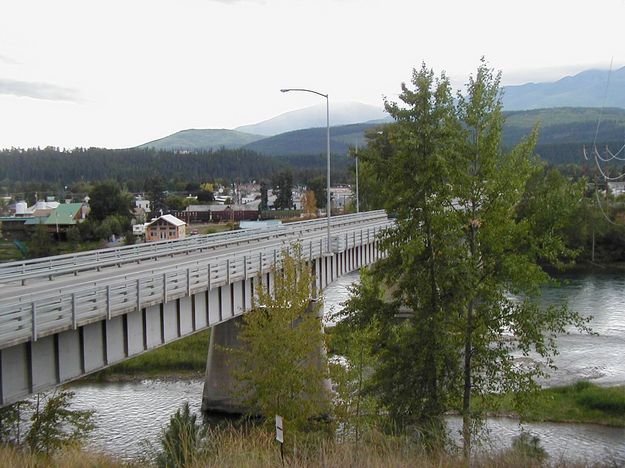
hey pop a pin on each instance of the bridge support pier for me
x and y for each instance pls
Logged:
(219, 385)
(219, 395)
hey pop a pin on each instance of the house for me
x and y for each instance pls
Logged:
(57, 219)
(616, 188)
(167, 227)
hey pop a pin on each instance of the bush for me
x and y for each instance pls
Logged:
(181, 441)
(528, 446)
(53, 425)
(611, 400)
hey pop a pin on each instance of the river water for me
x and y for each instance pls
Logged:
(130, 416)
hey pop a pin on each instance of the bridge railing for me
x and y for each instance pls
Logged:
(90, 260)
(52, 310)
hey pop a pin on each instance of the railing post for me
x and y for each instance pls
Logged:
(165, 288)
(34, 320)
(228, 271)
(138, 293)
(108, 302)
(208, 274)
(244, 267)
(74, 321)
(188, 281)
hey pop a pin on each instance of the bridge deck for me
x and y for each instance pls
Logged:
(42, 307)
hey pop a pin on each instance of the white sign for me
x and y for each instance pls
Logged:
(279, 431)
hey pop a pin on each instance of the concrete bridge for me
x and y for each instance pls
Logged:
(64, 317)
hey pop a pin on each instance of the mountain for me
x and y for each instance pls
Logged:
(202, 139)
(341, 113)
(563, 132)
(566, 125)
(586, 89)
(312, 141)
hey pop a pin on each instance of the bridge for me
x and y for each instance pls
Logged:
(67, 316)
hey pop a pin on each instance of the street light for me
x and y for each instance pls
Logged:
(357, 198)
(328, 207)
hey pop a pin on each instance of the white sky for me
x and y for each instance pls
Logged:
(118, 73)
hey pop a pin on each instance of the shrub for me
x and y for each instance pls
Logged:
(181, 441)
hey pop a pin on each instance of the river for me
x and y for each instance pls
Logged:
(130, 416)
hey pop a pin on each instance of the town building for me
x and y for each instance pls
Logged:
(166, 227)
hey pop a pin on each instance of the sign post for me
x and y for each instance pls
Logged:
(280, 435)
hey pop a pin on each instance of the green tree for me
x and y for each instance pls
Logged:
(283, 189)
(318, 185)
(106, 199)
(155, 191)
(177, 203)
(56, 425)
(456, 254)
(73, 237)
(418, 363)
(41, 244)
(264, 199)
(280, 369)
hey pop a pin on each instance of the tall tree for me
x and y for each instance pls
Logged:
(40, 243)
(283, 189)
(412, 160)
(264, 199)
(155, 191)
(106, 199)
(318, 185)
(457, 252)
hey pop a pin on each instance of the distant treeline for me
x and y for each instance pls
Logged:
(133, 166)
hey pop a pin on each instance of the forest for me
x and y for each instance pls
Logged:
(54, 167)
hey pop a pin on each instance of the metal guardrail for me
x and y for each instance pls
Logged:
(51, 310)
(96, 259)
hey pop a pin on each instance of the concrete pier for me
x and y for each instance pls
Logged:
(219, 385)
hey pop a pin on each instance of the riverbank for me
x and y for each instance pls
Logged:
(182, 359)
(185, 359)
(582, 402)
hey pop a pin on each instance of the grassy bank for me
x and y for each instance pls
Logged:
(183, 358)
(254, 448)
(582, 402)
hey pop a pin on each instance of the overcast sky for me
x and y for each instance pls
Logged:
(118, 73)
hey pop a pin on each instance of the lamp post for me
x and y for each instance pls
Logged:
(328, 207)
(357, 198)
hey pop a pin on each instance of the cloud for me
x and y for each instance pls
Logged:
(37, 90)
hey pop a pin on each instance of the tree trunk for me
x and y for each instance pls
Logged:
(466, 400)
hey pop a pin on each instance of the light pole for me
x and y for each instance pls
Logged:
(357, 198)
(328, 207)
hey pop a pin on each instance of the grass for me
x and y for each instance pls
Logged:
(257, 448)
(211, 228)
(70, 457)
(184, 357)
(9, 252)
(582, 402)
(251, 447)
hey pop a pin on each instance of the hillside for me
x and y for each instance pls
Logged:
(586, 89)
(312, 141)
(202, 140)
(566, 125)
(341, 113)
